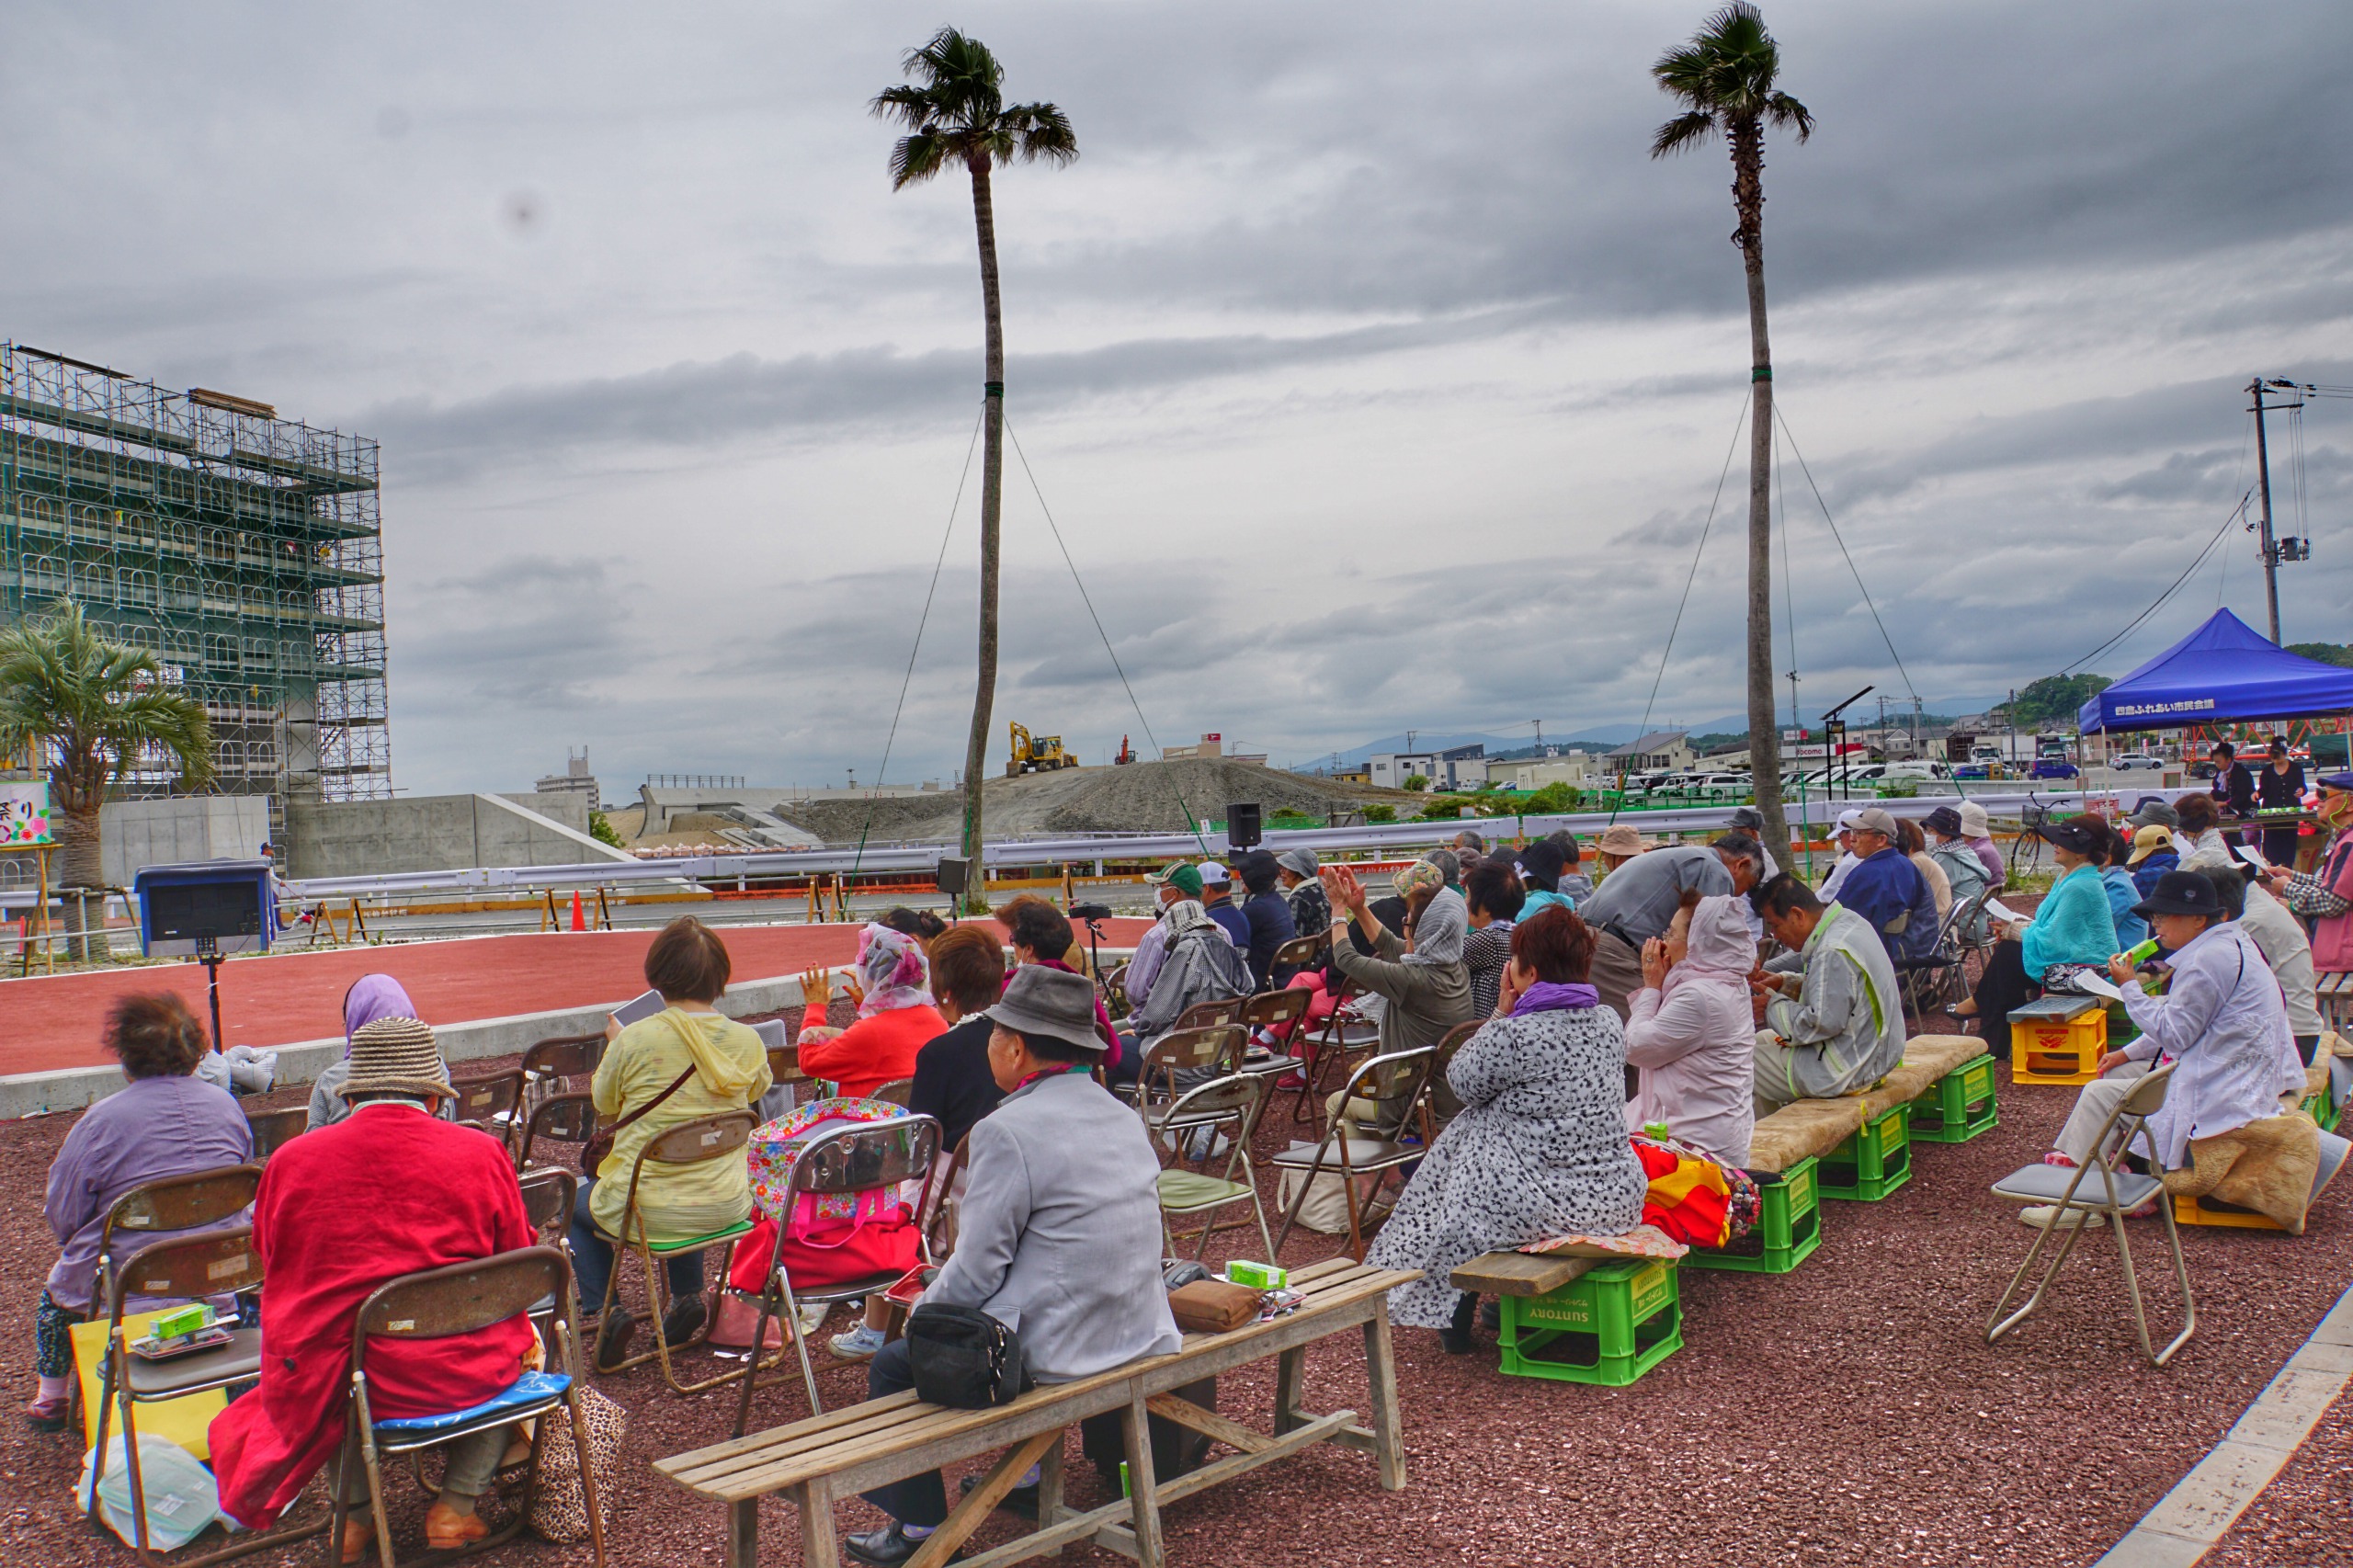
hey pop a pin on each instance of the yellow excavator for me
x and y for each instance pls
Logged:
(1043, 753)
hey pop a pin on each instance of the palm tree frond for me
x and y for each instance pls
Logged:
(1685, 130)
(916, 158)
(911, 106)
(1785, 110)
(1729, 66)
(1040, 130)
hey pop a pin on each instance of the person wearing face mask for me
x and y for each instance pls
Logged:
(1691, 1035)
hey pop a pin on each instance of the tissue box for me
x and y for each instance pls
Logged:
(1257, 1276)
(194, 1318)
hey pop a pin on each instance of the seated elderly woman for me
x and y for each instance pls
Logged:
(1910, 839)
(685, 1062)
(1059, 1235)
(371, 996)
(164, 1121)
(1690, 1036)
(1540, 1147)
(2072, 930)
(1828, 1016)
(1492, 894)
(389, 1190)
(1424, 984)
(895, 1015)
(2201, 818)
(2221, 1021)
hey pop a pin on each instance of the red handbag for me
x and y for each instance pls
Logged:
(827, 1254)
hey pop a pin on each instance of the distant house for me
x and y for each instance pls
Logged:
(1535, 772)
(1660, 749)
(1457, 767)
(1211, 745)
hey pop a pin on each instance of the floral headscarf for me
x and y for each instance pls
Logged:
(892, 968)
(1187, 914)
(1412, 878)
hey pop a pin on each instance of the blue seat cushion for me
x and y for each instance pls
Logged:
(531, 1389)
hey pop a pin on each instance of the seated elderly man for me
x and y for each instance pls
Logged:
(389, 1190)
(1832, 1021)
(1177, 883)
(1887, 889)
(1844, 867)
(1059, 1236)
(1637, 901)
(2221, 1020)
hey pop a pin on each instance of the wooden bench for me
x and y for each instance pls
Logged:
(818, 1460)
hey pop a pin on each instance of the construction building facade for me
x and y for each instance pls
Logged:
(243, 550)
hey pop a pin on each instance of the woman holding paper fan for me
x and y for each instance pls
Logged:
(2073, 930)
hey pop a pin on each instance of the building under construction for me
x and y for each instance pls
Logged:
(243, 549)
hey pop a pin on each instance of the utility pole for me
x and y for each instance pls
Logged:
(2262, 476)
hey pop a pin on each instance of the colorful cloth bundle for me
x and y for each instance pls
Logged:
(1692, 1197)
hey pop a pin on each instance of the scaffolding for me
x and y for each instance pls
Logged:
(243, 550)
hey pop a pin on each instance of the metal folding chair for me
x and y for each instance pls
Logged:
(182, 1268)
(1215, 1051)
(1929, 978)
(462, 1299)
(707, 1138)
(559, 1064)
(273, 1130)
(898, 1091)
(2116, 1193)
(1280, 1011)
(566, 1118)
(848, 1157)
(492, 1102)
(1237, 1100)
(1400, 1075)
(1343, 1036)
(1209, 1015)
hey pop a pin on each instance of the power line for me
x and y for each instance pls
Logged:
(1849, 559)
(921, 621)
(1191, 826)
(2235, 513)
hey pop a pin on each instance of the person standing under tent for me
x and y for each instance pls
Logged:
(2281, 787)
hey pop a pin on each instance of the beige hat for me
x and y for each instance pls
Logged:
(1873, 820)
(1972, 820)
(396, 1056)
(1621, 839)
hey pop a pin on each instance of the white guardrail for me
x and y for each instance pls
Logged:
(1095, 849)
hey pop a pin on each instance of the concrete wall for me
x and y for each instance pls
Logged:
(438, 833)
(194, 828)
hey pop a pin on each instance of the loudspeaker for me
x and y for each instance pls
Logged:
(951, 875)
(1242, 826)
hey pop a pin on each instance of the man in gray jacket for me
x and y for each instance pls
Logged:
(1059, 1234)
(1831, 1020)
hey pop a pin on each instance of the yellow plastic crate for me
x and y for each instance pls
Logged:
(2045, 1049)
(2194, 1211)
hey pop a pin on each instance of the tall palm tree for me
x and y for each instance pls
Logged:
(953, 107)
(1726, 78)
(96, 708)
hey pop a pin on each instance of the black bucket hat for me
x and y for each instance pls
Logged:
(2074, 837)
(2182, 892)
(1945, 820)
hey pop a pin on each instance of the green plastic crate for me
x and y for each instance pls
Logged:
(1959, 1108)
(1873, 1162)
(1609, 1326)
(1788, 1226)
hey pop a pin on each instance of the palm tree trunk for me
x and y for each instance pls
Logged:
(1764, 737)
(976, 748)
(81, 867)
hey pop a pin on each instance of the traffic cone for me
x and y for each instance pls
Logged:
(579, 920)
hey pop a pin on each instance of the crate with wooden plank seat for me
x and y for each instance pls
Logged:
(2322, 1100)
(1788, 1228)
(1580, 1320)
(1960, 1101)
(2057, 1039)
(2333, 994)
(817, 1462)
(1862, 1141)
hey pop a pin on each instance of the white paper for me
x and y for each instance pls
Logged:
(2183, 848)
(2098, 984)
(2252, 858)
(1994, 907)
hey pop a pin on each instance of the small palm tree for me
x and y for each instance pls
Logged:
(955, 112)
(1726, 78)
(94, 709)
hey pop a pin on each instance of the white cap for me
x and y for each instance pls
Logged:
(1214, 873)
(1850, 820)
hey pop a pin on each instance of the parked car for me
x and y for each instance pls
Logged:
(2056, 768)
(2131, 759)
(1973, 770)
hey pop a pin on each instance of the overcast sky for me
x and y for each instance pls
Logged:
(1375, 374)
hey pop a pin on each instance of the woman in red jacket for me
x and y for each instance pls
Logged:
(896, 1018)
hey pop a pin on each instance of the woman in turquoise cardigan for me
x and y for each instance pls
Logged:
(2072, 929)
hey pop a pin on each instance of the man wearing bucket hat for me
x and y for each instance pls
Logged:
(389, 1190)
(1059, 1235)
(2325, 894)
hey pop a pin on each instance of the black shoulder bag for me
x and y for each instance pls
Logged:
(962, 1357)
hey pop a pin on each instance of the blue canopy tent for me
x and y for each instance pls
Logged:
(2222, 672)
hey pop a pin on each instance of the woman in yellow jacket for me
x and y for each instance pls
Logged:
(684, 1064)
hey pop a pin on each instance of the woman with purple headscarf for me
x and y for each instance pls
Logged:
(371, 996)
(1539, 1148)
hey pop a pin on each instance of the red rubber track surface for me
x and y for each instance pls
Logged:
(53, 1021)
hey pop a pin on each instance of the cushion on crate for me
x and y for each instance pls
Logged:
(2316, 1078)
(2267, 1165)
(1642, 1241)
(1811, 1129)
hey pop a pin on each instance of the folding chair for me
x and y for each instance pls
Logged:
(1299, 953)
(2116, 1193)
(462, 1299)
(273, 1130)
(1209, 1015)
(1343, 1035)
(550, 1196)
(897, 1091)
(567, 1118)
(719, 1137)
(1115, 988)
(1929, 978)
(1400, 1075)
(1237, 1099)
(1215, 1051)
(214, 1263)
(784, 1064)
(550, 1066)
(848, 1157)
(1280, 1011)
(492, 1102)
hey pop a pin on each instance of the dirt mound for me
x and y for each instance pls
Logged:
(1146, 797)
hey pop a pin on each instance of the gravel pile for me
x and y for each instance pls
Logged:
(1848, 1412)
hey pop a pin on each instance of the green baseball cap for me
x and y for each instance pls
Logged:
(1184, 876)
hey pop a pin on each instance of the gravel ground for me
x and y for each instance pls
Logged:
(2303, 1515)
(1847, 1412)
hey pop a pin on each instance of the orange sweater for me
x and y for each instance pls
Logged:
(872, 1052)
